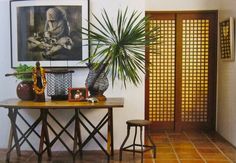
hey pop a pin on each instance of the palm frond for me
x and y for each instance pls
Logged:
(121, 47)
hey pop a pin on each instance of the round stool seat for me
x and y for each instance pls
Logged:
(138, 122)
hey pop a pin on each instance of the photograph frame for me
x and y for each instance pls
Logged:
(83, 91)
(70, 56)
(227, 39)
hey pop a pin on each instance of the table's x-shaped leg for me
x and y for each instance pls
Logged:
(77, 134)
(44, 137)
(96, 130)
(13, 112)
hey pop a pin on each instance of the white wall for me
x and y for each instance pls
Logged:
(226, 84)
(179, 5)
(134, 96)
(7, 86)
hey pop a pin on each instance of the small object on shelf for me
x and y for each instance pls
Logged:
(40, 82)
(24, 90)
(77, 94)
(92, 99)
(97, 82)
(59, 80)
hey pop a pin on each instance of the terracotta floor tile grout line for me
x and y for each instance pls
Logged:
(153, 159)
(176, 155)
(219, 149)
(151, 153)
(195, 147)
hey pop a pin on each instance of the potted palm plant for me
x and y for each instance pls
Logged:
(117, 49)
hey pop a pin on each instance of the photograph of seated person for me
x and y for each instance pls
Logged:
(79, 95)
(56, 34)
(57, 27)
(51, 33)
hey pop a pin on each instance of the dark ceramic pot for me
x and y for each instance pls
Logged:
(24, 90)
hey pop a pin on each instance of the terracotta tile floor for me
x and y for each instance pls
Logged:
(184, 147)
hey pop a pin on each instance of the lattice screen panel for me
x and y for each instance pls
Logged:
(195, 70)
(162, 73)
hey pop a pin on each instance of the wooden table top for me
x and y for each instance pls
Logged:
(17, 103)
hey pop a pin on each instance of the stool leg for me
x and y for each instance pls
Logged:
(141, 141)
(153, 145)
(126, 138)
(135, 134)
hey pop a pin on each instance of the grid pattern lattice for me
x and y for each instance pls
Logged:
(225, 39)
(195, 54)
(58, 83)
(162, 73)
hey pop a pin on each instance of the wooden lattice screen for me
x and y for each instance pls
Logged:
(182, 65)
(162, 73)
(195, 45)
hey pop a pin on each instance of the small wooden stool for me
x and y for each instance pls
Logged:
(141, 124)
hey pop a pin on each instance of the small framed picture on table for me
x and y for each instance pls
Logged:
(77, 94)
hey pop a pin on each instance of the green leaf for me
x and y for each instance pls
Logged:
(25, 72)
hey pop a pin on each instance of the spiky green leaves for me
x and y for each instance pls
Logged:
(121, 47)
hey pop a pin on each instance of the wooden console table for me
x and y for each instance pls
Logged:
(79, 119)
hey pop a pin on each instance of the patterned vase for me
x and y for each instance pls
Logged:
(97, 83)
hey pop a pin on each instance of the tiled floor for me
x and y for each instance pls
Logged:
(184, 147)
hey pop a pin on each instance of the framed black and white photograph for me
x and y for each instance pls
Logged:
(227, 39)
(49, 31)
